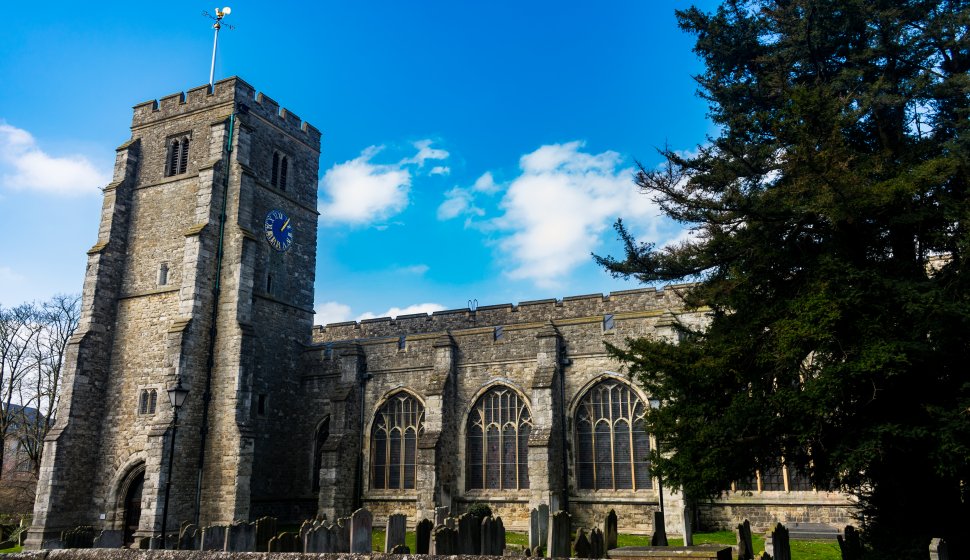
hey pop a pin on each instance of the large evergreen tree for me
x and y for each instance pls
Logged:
(832, 240)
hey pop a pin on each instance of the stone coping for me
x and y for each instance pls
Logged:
(712, 551)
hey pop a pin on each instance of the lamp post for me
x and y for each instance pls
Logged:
(655, 404)
(176, 395)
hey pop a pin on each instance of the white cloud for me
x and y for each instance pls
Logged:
(459, 201)
(24, 166)
(331, 312)
(426, 152)
(416, 269)
(558, 208)
(440, 170)
(360, 192)
(409, 310)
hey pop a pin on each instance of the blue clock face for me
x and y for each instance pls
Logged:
(278, 230)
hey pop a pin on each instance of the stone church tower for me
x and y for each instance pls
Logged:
(202, 273)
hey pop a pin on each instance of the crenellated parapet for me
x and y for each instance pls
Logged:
(641, 301)
(224, 92)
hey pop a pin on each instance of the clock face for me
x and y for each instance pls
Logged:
(278, 230)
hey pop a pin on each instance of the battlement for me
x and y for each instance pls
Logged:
(644, 299)
(225, 92)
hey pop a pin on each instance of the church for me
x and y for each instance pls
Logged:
(201, 284)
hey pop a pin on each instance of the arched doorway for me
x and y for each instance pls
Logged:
(132, 506)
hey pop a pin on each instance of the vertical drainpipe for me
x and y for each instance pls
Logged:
(216, 291)
(563, 362)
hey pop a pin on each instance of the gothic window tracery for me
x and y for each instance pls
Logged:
(394, 442)
(497, 442)
(612, 446)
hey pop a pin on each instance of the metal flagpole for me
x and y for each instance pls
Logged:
(215, 40)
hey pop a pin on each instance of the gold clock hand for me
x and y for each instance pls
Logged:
(283, 227)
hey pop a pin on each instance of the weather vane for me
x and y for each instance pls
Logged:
(215, 42)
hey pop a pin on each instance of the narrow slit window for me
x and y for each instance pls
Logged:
(274, 175)
(163, 274)
(284, 163)
(261, 405)
(499, 333)
(608, 322)
(269, 283)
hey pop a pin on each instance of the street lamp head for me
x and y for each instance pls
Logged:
(177, 394)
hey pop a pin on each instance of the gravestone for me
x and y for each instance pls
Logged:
(776, 544)
(109, 538)
(597, 543)
(469, 534)
(361, 526)
(342, 535)
(487, 530)
(745, 548)
(401, 549)
(939, 550)
(397, 526)
(440, 514)
(444, 541)
(214, 538)
(78, 537)
(559, 528)
(304, 529)
(241, 537)
(189, 537)
(265, 530)
(319, 539)
(581, 546)
(542, 525)
(285, 542)
(422, 532)
(499, 543)
(610, 530)
(659, 530)
(451, 523)
(850, 544)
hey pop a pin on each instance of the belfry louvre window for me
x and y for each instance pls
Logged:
(394, 442)
(177, 160)
(147, 401)
(612, 446)
(280, 169)
(497, 442)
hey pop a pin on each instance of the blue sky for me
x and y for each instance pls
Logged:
(471, 150)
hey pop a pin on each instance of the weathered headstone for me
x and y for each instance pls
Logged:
(445, 541)
(423, 535)
(397, 526)
(597, 543)
(109, 538)
(401, 549)
(241, 537)
(939, 550)
(745, 548)
(319, 539)
(659, 530)
(265, 530)
(487, 530)
(850, 544)
(440, 514)
(610, 530)
(342, 535)
(285, 542)
(776, 543)
(559, 532)
(214, 538)
(78, 537)
(542, 525)
(361, 526)
(581, 546)
(499, 543)
(304, 529)
(469, 531)
(189, 537)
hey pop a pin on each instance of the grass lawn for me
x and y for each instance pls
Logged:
(14, 549)
(800, 550)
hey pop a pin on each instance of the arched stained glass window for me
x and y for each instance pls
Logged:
(394, 442)
(497, 442)
(612, 446)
